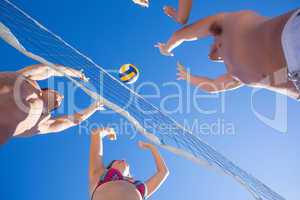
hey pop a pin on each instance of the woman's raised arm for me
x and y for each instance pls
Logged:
(162, 171)
(96, 166)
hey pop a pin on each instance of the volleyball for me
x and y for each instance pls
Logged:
(128, 73)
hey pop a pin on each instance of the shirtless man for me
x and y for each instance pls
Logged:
(25, 108)
(181, 16)
(257, 51)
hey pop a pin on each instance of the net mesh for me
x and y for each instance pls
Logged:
(32, 39)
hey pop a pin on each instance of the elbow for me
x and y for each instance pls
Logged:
(210, 88)
(182, 21)
(176, 35)
(211, 91)
(77, 119)
(165, 172)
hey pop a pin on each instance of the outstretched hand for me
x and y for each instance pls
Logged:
(106, 132)
(171, 12)
(144, 145)
(163, 49)
(83, 77)
(182, 74)
(143, 3)
(99, 105)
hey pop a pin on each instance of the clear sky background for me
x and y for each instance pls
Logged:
(116, 32)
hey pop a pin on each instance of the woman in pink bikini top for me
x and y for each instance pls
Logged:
(114, 182)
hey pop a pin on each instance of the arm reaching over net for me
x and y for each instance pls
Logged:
(96, 166)
(162, 171)
(41, 72)
(192, 32)
(222, 83)
(54, 125)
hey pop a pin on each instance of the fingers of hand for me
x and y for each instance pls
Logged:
(141, 144)
(180, 76)
(158, 45)
(180, 66)
(144, 145)
(110, 133)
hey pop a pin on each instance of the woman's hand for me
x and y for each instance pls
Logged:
(106, 132)
(144, 145)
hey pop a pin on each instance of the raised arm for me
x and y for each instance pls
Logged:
(41, 72)
(162, 171)
(220, 84)
(96, 166)
(190, 32)
(58, 124)
(182, 15)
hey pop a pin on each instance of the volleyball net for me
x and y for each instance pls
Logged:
(32, 39)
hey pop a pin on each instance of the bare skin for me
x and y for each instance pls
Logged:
(250, 46)
(26, 108)
(181, 15)
(120, 189)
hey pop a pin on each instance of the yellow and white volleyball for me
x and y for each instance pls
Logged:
(129, 73)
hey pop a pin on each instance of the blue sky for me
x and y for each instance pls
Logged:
(113, 33)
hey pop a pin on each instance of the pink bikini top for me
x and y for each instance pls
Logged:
(115, 175)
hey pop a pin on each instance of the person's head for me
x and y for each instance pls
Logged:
(143, 3)
(52, 99)
(215, 51)
(121, 165)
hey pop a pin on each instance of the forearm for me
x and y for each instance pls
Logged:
(69, 72)
(77, 118)
(195, 31)
(160, 163)
(184, 9)
(42, 72)
(220, 84)
(96, 148)
(64, 122)
(96, 153)
(204, 83)
(187, 33)
(160, 176)
(175, 41)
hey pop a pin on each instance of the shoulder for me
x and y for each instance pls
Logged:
(95, 179)
(6, 77)
(224, 15)
(245, 13)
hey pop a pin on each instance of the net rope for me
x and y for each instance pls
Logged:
(35, 41)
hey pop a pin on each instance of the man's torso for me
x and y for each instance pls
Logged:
(252, 50)
(15, 94)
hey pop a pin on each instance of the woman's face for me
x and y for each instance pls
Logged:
(122, 166)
